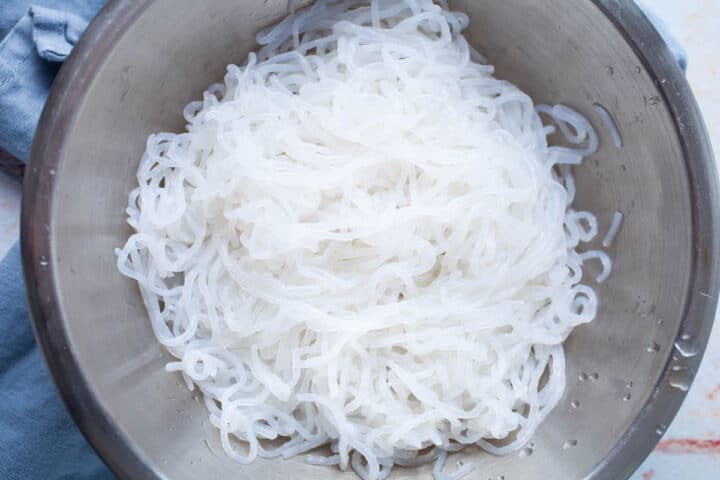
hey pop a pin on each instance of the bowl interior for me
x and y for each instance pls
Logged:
(164, 53)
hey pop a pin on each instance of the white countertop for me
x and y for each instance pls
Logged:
(9, 212)
(690, 449)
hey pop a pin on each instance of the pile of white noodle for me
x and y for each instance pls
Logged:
(363, 240)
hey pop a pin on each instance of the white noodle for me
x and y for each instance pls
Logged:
(438, 473)
(613, 230)
(604, 262)
(327, 461)
(364, 240)
(610, 124)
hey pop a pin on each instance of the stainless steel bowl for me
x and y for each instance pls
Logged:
(141, 61)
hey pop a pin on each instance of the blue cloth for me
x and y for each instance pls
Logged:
(677, 50)
(41, 37)
(55, 33)
(38, 439)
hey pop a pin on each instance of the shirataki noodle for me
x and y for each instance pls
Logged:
(363, 241)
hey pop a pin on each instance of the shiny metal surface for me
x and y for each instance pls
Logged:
(142, 60)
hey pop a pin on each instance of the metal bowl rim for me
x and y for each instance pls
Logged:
(65, 101)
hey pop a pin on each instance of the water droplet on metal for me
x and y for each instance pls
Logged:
(43, 261)
(569, 444)
(52, 172)
(574, 404)
(638, 69)
(653, 347)
(660, 429)
(629, 385)
(687, 345)
(594, 376)
(627, 397)
(583, 376)
(660, 321)
(610, 70)
(526, 452)
(681, 378)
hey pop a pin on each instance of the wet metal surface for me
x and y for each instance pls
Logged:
(690, 448)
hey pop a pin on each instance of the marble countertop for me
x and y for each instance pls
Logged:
(9, 212)
(690, 449)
